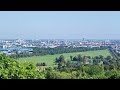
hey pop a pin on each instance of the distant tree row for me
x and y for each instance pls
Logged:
(57, 50)
(16, 56)
(61, 49)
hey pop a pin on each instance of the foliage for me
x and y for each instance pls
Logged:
(74, 68)
(57, 50)
(11, 69)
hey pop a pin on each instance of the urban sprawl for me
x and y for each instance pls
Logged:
(18, 46)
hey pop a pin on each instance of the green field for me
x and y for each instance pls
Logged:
(49, 59)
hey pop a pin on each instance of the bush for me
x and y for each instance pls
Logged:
(114, 74)
(11, 69)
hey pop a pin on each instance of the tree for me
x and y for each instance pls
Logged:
(11, 69)
(94, 70)
(75, 58)
(113, 74)
(71, 57)
(101, 57)
(44, 64)
(38, 64)
(79, 57)
(89, 57)
(85, 60)
(96, 57)
(61, 58)
(108, 57)
(96, 61)
(68, 64)
(58, 75)
(112, 67)
(56, 60)
(106, 67)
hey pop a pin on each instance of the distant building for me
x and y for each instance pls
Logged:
(4, 46)
(1, 46)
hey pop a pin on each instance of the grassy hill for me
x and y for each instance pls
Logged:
(49, 59)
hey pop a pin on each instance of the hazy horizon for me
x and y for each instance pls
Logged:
(59, 24)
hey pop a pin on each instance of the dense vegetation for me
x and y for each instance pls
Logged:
(77, 67)
(11, 69)
(57, 50)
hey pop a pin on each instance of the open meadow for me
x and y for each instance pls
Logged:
(50, 59)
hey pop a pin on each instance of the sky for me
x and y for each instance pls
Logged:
(59, 24)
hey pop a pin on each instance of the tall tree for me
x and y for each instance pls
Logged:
(108, 57)
(79, 57)
(61, 58)
(101, 57)
(71, 57)
(75, 58)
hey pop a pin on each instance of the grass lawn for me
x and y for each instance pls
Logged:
(49, 59)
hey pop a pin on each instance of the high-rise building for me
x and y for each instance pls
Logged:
(83, 39)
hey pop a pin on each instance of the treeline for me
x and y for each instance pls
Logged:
(61, 49)
(82, 60)
(16, 56)
(57, 50)
(79, 60)
(113, 53)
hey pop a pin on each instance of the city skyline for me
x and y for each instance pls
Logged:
(59, 24)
